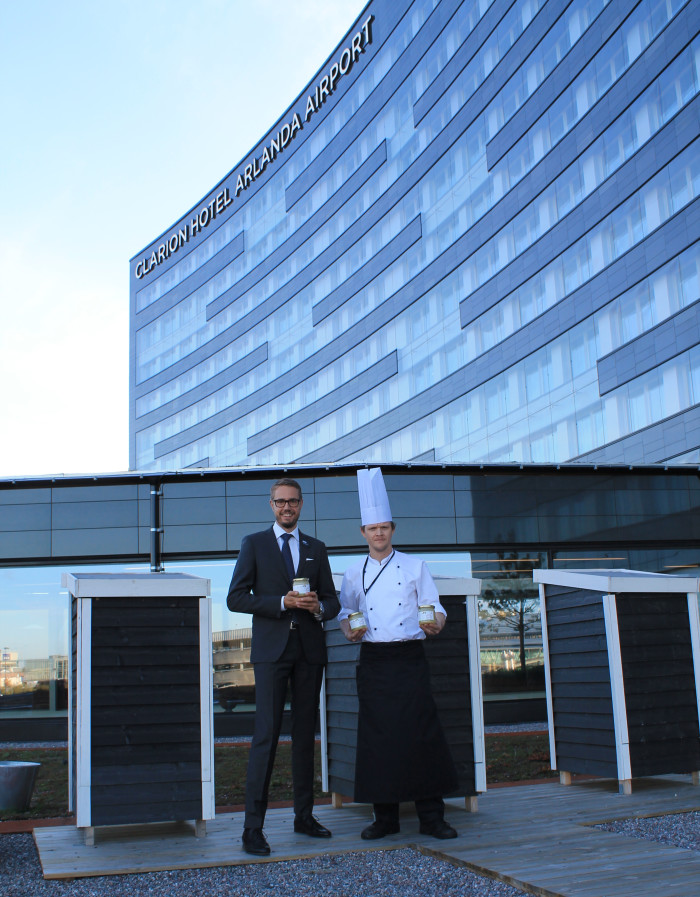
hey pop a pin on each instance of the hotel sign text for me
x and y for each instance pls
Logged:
(314, 101)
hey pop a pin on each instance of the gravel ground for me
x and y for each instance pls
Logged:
(390, 873)
(382, 873)
(679, 830)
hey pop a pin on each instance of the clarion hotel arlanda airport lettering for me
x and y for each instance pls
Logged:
(182, 235)
(252, 170)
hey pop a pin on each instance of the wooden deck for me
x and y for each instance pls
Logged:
(536, 837)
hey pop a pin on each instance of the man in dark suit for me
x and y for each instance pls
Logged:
(288, 646)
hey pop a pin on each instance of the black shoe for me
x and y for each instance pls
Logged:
(379, 830)
(442, 830)
(254, 842)
(308, 825)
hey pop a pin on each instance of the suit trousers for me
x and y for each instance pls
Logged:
(430, 811)
(271, 679)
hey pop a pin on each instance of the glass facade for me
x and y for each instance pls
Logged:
(497, 524)
(474, 238)
(34, 619)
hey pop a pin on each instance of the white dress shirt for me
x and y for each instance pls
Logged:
(293, 545)
(389, 598)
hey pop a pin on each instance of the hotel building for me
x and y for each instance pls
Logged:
(473, 238)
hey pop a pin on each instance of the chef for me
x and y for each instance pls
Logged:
(402, 754)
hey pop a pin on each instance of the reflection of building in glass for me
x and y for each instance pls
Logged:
(37, 670)
(501, 522)
(59, 666)
(10, 675)
(45, 669)
(234, 681)
(473, 238)
(500, 640)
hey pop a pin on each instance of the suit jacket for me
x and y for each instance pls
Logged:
(259, 581)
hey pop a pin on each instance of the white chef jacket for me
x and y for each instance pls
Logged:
(390, 606)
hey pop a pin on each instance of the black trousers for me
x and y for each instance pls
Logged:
(430, 810)
(402, 754)
(271, 681)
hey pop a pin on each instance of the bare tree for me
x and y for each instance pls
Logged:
(512, 600)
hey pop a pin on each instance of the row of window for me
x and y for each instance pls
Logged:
(178, 326)
(262, 218)
(449, 198)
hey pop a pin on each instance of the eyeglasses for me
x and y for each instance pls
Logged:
(281, 502)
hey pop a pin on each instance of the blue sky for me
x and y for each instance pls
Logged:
(116, 119)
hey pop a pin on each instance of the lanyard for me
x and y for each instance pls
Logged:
(381, 570)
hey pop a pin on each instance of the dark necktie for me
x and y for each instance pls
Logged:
(287, 555)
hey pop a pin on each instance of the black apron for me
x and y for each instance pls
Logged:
(402, 753)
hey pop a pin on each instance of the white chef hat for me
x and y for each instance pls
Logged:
(374, 502)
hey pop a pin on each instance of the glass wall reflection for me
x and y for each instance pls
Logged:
(34, 639)
(34, 622)
(512, 661)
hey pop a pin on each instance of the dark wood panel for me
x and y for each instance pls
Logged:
(582, 690)
(570, 735)
(134, 752)
(587, 674)
(146, 772)
(665, 757)
(662, 683)
(579, 645)
(583, 706)
(583, 720)
(445, 666)
(131, 676)
(345, 771)
(153, 792)
(341, 671)
(156, 735)
(574, 614)
(345, 737)
(672, 667)
(163, 656)
(153, 694)
(342, 720)
(343, 753)
(640, 621)
(165, 604)
(669, 733)
(142, 637)
(340, 687)
(147, 813)
(668, 639)
(346, 703)
(150, 716)
(672, 702)
(577, 751)
(590, 766)
(115, 614)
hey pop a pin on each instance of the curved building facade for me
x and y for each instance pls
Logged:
(474, 237)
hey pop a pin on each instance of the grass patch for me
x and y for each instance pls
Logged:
(50, 798)
(509, 758)
(517, 757)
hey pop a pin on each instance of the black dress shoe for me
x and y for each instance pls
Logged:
(442, 830)
(308, 825)
(254, 842)
(379, 830)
